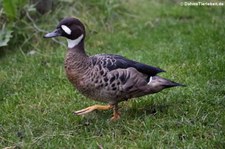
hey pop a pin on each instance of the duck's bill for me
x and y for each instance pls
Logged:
(55, 33)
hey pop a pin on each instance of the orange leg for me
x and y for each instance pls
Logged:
(116, 114)
(92, 108)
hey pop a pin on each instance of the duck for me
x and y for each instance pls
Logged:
(106, 78)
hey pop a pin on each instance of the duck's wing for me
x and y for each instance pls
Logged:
(112, 62)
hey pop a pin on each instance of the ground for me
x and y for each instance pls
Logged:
(37, 101)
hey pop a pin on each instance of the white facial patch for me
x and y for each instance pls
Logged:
(150, 80)
(66, 29)
(73, 43)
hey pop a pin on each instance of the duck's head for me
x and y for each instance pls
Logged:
(72, 29)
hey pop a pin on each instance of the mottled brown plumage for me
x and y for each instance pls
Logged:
(104, 77)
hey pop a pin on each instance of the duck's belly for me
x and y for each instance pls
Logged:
(94, 91)
(98, 93)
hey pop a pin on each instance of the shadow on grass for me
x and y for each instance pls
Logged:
(146, 110)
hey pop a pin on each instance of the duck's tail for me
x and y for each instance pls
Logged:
(157, 83)
(169, 83)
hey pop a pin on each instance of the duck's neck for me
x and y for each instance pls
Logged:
(78, 50)
(76, 57)
(76, 46)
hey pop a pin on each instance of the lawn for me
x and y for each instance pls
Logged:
(37, 101)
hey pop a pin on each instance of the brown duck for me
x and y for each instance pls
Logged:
(105, 77)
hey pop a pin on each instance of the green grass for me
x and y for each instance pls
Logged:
(37, 101)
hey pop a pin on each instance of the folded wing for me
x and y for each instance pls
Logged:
(112, 62)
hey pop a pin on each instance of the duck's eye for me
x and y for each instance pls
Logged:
(66, 29)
